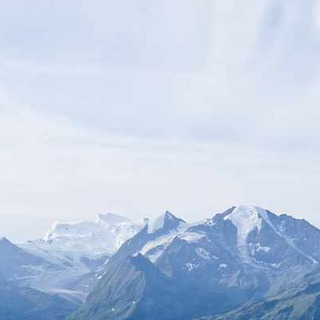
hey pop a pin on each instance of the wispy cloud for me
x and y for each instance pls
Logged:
(136, 107)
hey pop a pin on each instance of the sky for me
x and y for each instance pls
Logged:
(137, 107)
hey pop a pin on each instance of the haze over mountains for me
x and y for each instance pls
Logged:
(245, 263)
(136, 105)
(124, 100)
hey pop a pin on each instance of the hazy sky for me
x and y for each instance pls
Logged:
(135, 107)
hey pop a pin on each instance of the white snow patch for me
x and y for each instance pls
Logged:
(210, 223)
(246, 219)
(154, 249)
(191, 236)
(161, 242)
(191, 266)
(259, 248)
(202, 253)
(156, 224)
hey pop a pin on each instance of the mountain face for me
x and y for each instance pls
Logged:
(28, 304)
(49, 278)
(13, 260)
(301, 301)
(17, 300)
(245, 263)
(241, 258)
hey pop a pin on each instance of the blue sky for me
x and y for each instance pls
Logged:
(136, 107)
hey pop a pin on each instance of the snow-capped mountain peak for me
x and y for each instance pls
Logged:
(246, 219)
(246, 251)
(165, 222)
(110, 218)
(104, 235)
(244, 248)
(260, 233)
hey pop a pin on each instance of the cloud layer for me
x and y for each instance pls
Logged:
(138, 107)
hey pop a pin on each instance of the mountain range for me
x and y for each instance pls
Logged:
(244, 263)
